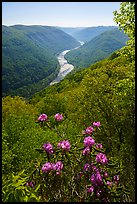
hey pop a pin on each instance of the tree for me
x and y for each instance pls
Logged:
(125, 18)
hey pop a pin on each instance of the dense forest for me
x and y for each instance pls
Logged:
(74, 141)
(97, 49)
(29, 60)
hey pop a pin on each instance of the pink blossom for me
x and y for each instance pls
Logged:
(87, 167)
(89, 141)
(59, 166)
(90, 189)
(89, 130)
(65, 145)
(47, 167)
(58, 117)
(101, 158)
(99, 146)
(96, 179)
(86, 151)
(93, 180)
(58, 172)
(97, 124)
(105, 174)
(42, 117)
(48, 148)
(109, 183)
(99, 179)
(116, 178)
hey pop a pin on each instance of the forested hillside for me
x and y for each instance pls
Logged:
(87, 34)
(97, 49)
(74, 141)
(29, 60)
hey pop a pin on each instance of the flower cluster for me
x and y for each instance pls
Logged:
(86, 151)
(99, 146)
(58, 117)
(64, 145)
(47, 167)
(89, 130)
(101, 158)
(89, 141)
(96, 179)
(96, 124)
(42, 117)
(93, 173)
(48, 148)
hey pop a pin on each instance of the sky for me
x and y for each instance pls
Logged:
(64, 14)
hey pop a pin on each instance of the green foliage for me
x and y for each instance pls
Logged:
(97, 49)
(72, 182)
(125, 18)
(105, 91)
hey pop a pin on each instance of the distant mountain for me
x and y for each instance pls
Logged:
(97, 49)
(28, 57)
(70, 30)
(87, 34)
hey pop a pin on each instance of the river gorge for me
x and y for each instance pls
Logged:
(65, 67)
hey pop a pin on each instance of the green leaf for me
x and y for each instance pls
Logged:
(39, 150)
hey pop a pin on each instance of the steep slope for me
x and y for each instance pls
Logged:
(97, 49)
(103, 92)
(87, 34)
(28, 57)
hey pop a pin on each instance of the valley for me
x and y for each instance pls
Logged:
(68, 108)
(65, 67)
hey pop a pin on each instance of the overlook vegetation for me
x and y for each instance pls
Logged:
(97, 49)
(29, 57)
(103, 91)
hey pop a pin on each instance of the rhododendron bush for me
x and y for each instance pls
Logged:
(75, 172)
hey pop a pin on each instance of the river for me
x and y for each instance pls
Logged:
(65, 67)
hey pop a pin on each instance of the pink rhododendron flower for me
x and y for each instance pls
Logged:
(47, 167)
(59, 166)
(58, 117)
(87, 167)
(90, 189)
(116, 178)
(105, 174)
(109, 183)
(89, 141)
(101, 158)
(42, 117)
(96, 179)
(65, 145)
(99, 146)
(99, 179)
(93, 180)
(89, 130)
(97, 124)
(86, 151)
(48, 148)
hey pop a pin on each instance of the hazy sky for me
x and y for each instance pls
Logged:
(66, 14)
